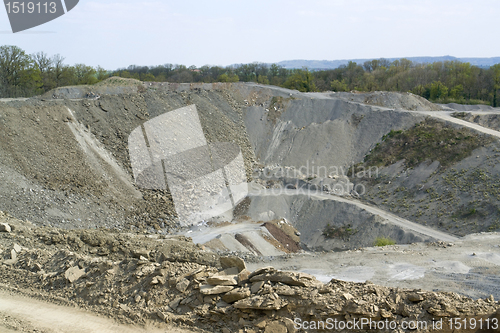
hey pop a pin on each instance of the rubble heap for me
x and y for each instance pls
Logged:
(140, 279)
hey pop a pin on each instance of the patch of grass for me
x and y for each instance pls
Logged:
(429, 140)
(495, 226)
(468, 212)
(460, 101)
(383, 241)
(460, 115)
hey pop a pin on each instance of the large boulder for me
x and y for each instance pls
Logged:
(232, 261)
(290, 278)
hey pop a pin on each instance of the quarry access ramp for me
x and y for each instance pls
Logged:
(406, 224)
(447, 116)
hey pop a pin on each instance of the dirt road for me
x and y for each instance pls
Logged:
(443, 115)
(21, 314)
(446, 115)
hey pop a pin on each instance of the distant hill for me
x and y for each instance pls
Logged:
(331, 64)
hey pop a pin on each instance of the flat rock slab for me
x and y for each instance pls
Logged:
(266, 302)
(236, 295)
(214, 290)
(223, 280)
(290, 278)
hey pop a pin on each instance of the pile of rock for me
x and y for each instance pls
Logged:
(268, 300)
(170, 280)
(16, 248)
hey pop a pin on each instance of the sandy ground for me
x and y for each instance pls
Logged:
(21, 314)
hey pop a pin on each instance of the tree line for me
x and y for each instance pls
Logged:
(25, 75)
(445, 82)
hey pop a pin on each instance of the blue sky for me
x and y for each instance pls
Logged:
(117, 33)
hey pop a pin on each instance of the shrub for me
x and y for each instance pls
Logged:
(342, 232)
(383, 241)
(430, 140)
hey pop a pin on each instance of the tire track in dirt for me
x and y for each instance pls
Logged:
(50, 318)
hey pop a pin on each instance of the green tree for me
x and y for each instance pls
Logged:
(102, 74)
(496, 83)
(148, 77)
(353, 75)
(301, 80)
(84, 74)
(125, 74)
(337, 85)
(18, 74)
(58, 70)
(223, 78)
(44, 65)
(262, 79)
(274, 70)
(438, 91)
(457, 92)
(228, 77)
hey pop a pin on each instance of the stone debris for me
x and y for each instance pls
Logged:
(276, 327)
(214, 290)
(290, 278)
(138, 253)
(4, 227)
(164, 283)
(228, 262)
(74, 273)
(256, 286)
(17, 248)
(267, 302)
(223, 280)
(230, 271)
(415, 297)
(236, 295)
(243, 275)
(182, 285)
(260, 271)
(13, 258)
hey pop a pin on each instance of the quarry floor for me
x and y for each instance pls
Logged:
(469, 266)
